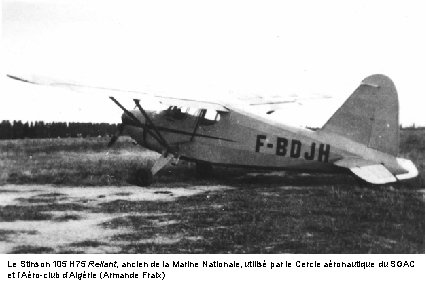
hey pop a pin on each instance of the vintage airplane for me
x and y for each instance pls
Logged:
(361, 137)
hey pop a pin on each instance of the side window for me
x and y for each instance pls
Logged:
(210, 118)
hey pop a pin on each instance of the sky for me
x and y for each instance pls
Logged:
(211, 50)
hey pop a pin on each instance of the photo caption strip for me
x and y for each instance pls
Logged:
(28, 268)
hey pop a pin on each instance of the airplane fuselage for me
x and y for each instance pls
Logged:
(238, 139)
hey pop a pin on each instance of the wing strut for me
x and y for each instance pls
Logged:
(149, 121)
(137, 121)
(197, 123)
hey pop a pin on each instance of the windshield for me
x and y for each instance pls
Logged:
(175, 113)
(208, 117)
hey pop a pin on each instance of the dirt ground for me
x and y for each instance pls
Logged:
(71, 219)
(210, 219)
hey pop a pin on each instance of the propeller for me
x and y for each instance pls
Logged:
(117, 134)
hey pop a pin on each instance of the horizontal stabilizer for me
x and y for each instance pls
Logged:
(366, 170)
(376, 174)
(407, 165)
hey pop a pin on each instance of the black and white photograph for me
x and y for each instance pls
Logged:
(212, 127)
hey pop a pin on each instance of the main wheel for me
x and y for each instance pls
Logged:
(203, 169)
(143, 177)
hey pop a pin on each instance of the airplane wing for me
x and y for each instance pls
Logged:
(274, 103)
(181, 102)
(367, 170)
(192, 103)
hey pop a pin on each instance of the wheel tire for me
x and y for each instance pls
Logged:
(143, 177)
(203, 169)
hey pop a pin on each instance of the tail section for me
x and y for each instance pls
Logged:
(370, 115)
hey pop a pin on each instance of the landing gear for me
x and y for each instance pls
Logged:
(145, 176)
(142, 177)
(203, 170)
(162, 161)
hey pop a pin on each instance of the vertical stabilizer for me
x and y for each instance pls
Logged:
(370, 115)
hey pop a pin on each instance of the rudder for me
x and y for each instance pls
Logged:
(370, 116)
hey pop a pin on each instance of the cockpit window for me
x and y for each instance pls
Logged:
(175, 113)
(208, 117)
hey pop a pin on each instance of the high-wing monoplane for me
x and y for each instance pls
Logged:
(362, 137)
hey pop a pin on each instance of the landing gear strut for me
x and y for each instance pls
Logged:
(145, 176)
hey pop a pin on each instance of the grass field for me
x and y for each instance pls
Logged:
(70, 161)
(254, 213)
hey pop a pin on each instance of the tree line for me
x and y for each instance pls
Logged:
(39, 129)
